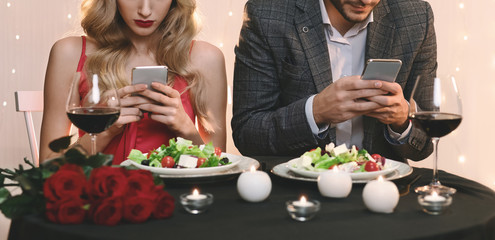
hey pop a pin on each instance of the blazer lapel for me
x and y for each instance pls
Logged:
(381, 33)
(309, 26)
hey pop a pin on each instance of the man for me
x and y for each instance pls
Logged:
(297, 76)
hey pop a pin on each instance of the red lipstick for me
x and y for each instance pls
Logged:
(143, 23)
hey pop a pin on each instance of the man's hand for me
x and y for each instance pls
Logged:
(348, 98)
(394, 108)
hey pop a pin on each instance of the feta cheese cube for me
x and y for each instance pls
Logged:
(342, 148)
(188, 161)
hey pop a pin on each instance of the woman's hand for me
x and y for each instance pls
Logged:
(167, 109)
(129, 110)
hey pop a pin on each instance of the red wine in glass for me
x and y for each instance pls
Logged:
(436, 124)
(93, 119)
(435, 107)
(93, 104)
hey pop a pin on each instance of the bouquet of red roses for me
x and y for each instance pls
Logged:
(75, 187)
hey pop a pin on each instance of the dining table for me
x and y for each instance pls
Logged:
(470, 216)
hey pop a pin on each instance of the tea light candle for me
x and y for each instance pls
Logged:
(303, 202)
(254, 186)
(334, 183)
(434, 202)
(434, 197)
(302, 210)
(381, 195)
(195, 195)
(196, 203)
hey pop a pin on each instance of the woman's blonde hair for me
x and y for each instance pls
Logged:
(102, 22)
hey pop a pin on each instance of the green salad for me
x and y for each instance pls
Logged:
(348, 160)
(180, 153)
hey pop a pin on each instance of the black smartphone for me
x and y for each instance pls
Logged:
(381, 69)
(149, 74)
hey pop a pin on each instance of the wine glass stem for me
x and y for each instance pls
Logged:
(93, 143)
(435, 181)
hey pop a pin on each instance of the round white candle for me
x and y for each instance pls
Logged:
(303, 202)
(195, 195)
(434, 197)
(334, 183)
(381, 195)
(254, 186)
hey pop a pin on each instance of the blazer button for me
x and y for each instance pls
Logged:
(305, 29)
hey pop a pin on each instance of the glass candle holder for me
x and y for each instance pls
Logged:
(434, 202)
(196, 204)
(303, 210)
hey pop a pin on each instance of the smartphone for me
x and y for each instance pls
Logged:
(149, 74)
(381, 69)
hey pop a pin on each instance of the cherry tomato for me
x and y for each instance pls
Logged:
(378, 158)
(371, 166)
(200, 162)
(168, 162)
(218, 151)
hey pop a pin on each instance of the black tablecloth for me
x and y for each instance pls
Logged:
(471, 215)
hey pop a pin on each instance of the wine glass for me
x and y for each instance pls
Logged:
(93, 104)
(435, 106)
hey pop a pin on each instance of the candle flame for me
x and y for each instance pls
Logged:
(252, 169)
(303, 199)
(195, 192)
(335, 169)
(434, 194)
(380, 178)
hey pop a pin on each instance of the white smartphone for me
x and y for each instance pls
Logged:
(149, 74)
(381, 69)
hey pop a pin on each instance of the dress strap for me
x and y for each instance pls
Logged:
(82, 59)
(190, 49)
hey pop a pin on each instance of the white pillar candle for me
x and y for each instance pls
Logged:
(334, 183)
(254, 186)
(381, 195)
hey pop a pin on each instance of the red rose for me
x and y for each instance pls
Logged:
(67, 182)
(164, 203)
(107, 211)
(137, 209)
(66, 211)
(107, 182)
(140, 182)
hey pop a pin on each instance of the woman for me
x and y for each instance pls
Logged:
(123, 34)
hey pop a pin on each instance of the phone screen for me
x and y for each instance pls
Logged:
(381, 69)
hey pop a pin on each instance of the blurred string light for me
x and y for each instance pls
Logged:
(69, 16)
(17, 37)
(4, 103)
(461, 5)
(13, 70)
(462, 159)
(9, 4)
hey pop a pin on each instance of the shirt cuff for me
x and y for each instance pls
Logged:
(317, 131)
(399, 137)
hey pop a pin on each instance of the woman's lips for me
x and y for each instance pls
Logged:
(143, 23)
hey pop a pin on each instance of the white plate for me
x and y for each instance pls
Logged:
(400, 170)
(193, 172)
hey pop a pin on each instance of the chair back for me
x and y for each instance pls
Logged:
(28, 102)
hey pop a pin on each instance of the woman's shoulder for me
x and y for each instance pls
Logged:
(73, 46)
(206, 55)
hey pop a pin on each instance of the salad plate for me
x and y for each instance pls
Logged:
(396, 171)
(233, 159)
(239, 164)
